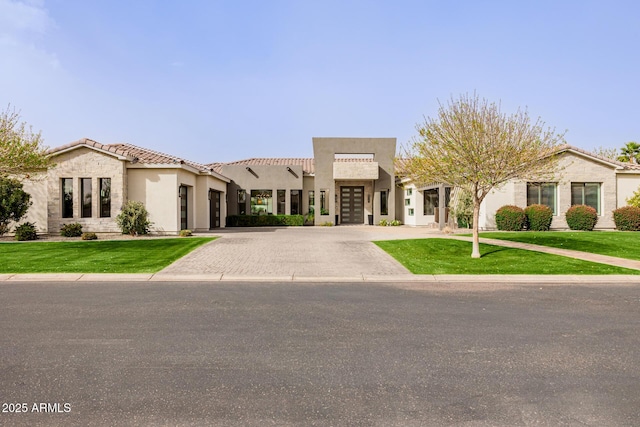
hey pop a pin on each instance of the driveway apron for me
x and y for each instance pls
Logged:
(345, 251)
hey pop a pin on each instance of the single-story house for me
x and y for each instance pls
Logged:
(348, 181)
(583, 178)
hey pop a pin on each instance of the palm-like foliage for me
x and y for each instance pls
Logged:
(630, 153)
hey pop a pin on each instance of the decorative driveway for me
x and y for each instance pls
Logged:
(344, 251)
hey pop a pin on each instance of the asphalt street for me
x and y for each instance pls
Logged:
(385, 354)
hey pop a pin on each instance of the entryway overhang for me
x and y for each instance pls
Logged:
(355, 170)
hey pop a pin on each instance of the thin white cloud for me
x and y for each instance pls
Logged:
(18, 18)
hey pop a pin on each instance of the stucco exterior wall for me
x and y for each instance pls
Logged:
(627, 184)
(85, 163)
(205, 183)
(266, 177)
(37, 213)
(497, 198)
(383, 149)
(158, 190)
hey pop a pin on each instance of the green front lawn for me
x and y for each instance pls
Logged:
(448, 256)
(109, 256)
(621, 244)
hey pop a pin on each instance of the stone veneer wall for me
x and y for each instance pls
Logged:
(86, 163)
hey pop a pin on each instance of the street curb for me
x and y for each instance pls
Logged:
(425, 278)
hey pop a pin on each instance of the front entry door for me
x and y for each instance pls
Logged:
(352, 205)
(214, 209)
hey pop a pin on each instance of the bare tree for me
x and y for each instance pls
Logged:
(22, 152)
(606, 152)
(472, 145)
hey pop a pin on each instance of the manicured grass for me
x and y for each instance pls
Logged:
(621, 244)
(448, 256)
(109, 256)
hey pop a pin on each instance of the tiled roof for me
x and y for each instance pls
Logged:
(308, 166)
(624, 165)
(90, 143)
(151, 157)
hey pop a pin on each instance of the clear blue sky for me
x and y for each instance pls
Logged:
(226, 80)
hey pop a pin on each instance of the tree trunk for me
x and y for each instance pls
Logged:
(475, 252)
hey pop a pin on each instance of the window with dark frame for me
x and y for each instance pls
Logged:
(282, 202)
(542, 193)
(184, 214)
(431, 201)
(384, 202)
(242, 202)
(105, 197)
(312, 201)
(586, 193)
(295, 202)
(85, 193)
(67, 197)
(324, 210)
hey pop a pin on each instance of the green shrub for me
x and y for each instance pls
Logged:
(395, 223)
(186, 233)
(539, 217)
(327, 224)
(383, 222)
(89, 236)
(26, 231)
(510, 218)
(581, 217)
(264, 220)
(134, 218)
(627, 218)
(634, 200)
(71, 230)
(14, 202)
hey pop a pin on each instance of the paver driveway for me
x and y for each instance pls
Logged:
(344, 251)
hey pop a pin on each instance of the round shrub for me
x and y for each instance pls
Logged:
(26, 231)
(186, 233)
(71, 230)
(134, 219)
(510, 218)
(581, 217)
(89, 236)
(539, 217)
(627, 218)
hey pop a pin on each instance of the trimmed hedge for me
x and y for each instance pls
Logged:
(264, 220)
(627, 218)
(26, 231)
(539, 217)
(71, 230)
(510, 218)
(581, 217)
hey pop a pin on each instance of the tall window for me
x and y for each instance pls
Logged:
(85, 191)
(431, 201)
(282, 202)
(105, 197)
(242, 202)
(295, 202)
(67, 198)
(384, 202)
(312, 201)
(182, 191)
(261, 202)
(324, 208)
(542, 193)
(586, 193)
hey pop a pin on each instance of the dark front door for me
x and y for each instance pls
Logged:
(352, 205)
(183, 208)
(214, 209)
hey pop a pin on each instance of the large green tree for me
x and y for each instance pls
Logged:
(14, 202)
(22, 153)
(474, 146)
